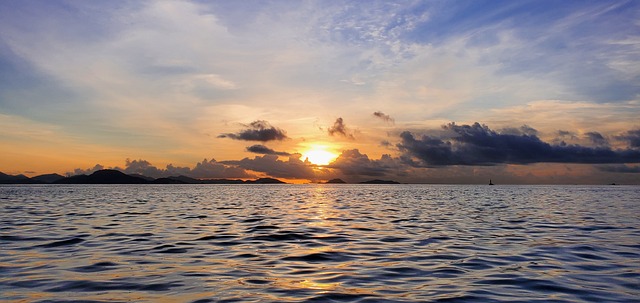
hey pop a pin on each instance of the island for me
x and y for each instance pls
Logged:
(336, 181)
(112, 176)
(376, 181)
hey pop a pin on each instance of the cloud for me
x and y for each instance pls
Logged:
(261, 149)
(148, 76)
(350, 163)
(207, 169)
(88, 171)
(632, 136)
(216, 81)
(143, 167)
(213, 169)
(340, 128)
(519, 131)
(384, 117)
(479, 145)
(271, 165)
(353, 163)
(567, 134)
(562, 136)
(385, 143)
(258, 130)
(597, 139)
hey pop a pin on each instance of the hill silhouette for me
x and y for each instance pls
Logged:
(48, 178)
(18, 179)
(265, 181)
(112, 176)
(376, 181)
(174, 180)
(336, 181)
(105, 176)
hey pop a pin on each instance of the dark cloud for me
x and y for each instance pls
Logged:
(632, 137)
(597, 139)
(563, 136)
(385, 143)
(565, 133)
(259, 130)
(620, 169)
(479, 145)
(263, 150)
(353, 163)
(519, 131)
(340, 128)
(453, 154)
(213, 169)
(384, 117)
(271, 165)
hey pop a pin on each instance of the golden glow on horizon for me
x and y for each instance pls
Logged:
(318, 155)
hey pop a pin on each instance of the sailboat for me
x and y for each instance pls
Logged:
(490, 183)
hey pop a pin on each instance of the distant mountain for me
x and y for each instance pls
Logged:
(111, 176)
(380, 182)
(176, 180)
(48, 178)
(77, 179)
(265, 181)
(186, 179)
(18, 179)
(222, 181)
(105, 176)
(142, 177)
(167, 181)
(336, 181)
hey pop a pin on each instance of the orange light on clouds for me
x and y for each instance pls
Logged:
(319, 155)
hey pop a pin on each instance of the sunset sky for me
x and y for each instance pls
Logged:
(413, 91)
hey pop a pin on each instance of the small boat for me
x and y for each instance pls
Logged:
(490, 183)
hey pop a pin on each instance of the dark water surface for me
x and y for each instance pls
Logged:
(319, 243)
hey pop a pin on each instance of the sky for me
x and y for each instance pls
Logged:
(306, 91)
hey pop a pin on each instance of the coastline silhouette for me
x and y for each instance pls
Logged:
(112, 176)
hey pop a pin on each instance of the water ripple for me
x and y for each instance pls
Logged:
(319, 243)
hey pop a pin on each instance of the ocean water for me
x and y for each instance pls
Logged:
(319, 243)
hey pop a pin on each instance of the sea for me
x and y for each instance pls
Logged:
(319, 243)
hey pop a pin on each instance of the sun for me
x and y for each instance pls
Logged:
(319, 156)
